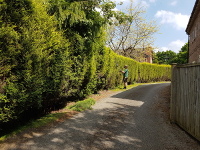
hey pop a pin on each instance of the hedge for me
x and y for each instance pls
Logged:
(138, 72)
(42, 67)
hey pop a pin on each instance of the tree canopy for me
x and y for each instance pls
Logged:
(130, 36)
(182, 56)
(169, 56)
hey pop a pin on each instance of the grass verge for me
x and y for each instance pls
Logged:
(43, 121)
(134, 85)
(82, 105)
(34, 124)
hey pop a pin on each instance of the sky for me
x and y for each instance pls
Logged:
(171, 16)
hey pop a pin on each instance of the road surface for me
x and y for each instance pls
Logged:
(136, 119)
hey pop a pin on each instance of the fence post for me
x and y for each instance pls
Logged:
(173, 94)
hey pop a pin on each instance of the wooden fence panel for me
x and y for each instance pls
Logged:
(185, 98)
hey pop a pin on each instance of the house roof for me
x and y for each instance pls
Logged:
(193, 16)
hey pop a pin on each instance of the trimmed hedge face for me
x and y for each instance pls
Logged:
(138, 72)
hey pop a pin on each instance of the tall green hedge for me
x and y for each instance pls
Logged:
(139, 72)
(45, 60)
(34, 59)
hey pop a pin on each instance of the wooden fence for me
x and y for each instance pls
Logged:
(185, 98)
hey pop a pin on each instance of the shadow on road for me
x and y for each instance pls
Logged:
(125, 121)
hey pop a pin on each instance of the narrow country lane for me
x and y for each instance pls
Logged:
(136, 119)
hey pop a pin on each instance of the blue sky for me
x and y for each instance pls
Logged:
(172, 17)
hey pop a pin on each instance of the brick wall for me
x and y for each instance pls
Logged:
(194, 43)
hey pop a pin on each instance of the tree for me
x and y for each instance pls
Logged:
(182, 56)
(132, 34)
(169, 56)
(166, 57)
(84, 27)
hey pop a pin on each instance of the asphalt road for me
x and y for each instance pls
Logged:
(136, 119)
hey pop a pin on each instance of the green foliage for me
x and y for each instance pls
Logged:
(83, 27)
(34, 56)
(182, 56)
(166, 57)
(141, 72)
(83, 105)
(170, 57)
(154, 72)
(53, 50)
(6, 109)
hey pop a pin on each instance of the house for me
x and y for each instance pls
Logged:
(149, 55)
(144, 54)
(193, 31)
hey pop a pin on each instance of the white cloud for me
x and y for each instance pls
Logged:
(173, 3)
(144, 4)
(164, 48)
(119, 1)
(173, 46)
(161, 49)
(177, 20)
(126, 3)
(176, 45)
(152, 1)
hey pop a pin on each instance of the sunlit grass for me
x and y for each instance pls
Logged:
(120, 88)
(82, 105)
